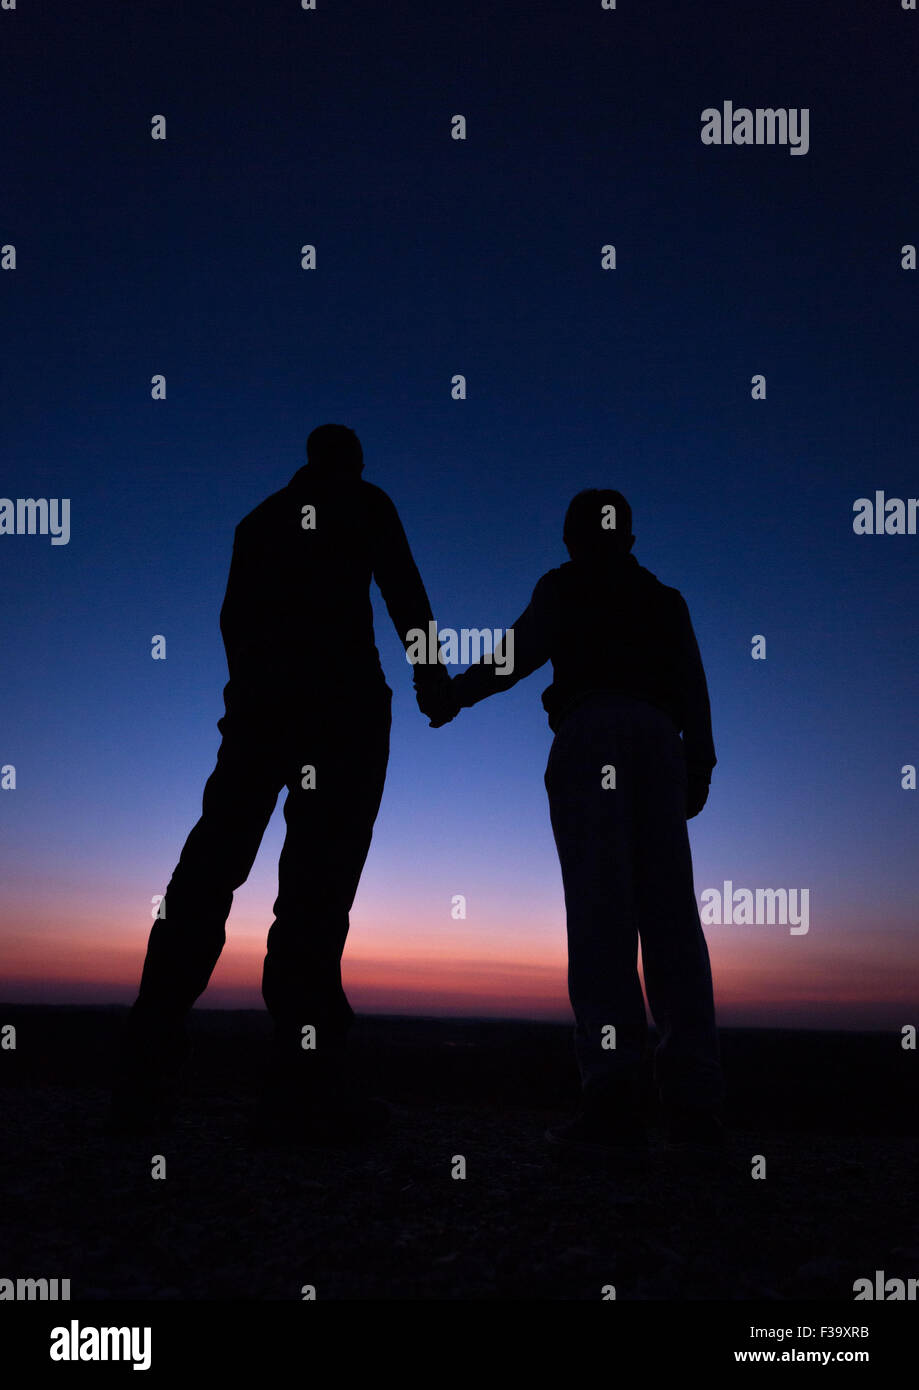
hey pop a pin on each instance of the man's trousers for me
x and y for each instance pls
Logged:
(332, 758)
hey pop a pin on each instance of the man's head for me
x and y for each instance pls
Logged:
(598, 525)
(335, 450)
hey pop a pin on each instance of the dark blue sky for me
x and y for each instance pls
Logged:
(480, 257)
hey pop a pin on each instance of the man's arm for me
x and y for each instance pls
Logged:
(236, 618)
(404, 594)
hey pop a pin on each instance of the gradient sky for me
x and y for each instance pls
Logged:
(435, 257)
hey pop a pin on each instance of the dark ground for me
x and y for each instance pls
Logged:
(835, 1116)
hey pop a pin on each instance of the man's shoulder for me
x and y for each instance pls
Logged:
(271, 509)
(554, 578)
(262, 515)
(359, 492)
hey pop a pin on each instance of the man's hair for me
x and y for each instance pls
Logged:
(598, 523)
(335, 446)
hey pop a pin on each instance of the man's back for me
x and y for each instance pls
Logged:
(297, 615)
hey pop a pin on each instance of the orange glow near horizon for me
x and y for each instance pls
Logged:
(759, 981)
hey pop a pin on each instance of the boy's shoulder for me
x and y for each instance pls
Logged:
(571, 573)
(569, 583)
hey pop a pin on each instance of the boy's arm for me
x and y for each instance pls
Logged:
(524, 648)
(698, 744)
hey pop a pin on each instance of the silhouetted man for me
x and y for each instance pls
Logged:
(307, 708)
(628, 679)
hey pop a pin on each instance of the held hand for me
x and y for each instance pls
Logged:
(440, 705)
(696, 794)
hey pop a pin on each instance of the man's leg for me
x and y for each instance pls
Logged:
(592, 824)
(674, 952)
(186, 941)
(329, 830)
(239, 798)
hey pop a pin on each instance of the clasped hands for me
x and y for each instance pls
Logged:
(439, 702)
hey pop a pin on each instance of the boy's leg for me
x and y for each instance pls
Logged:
(675, 956)
(592, 824)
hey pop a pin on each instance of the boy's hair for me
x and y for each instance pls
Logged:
(598, 522)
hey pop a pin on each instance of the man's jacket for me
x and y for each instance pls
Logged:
(297, 621)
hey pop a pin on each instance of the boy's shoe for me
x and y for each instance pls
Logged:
(697, 1128)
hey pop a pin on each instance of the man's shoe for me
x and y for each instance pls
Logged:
(148, 1075)
(697, 1128)
(344, 1120)
(296, 1120)
(601, 1134)
(135, 1112)
(316, 1101)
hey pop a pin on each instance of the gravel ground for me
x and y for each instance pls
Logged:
(388, 1221)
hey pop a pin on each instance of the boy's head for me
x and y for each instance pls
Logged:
(598, 525)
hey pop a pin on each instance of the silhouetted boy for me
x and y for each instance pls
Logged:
(627, 680)
(307, 708)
